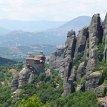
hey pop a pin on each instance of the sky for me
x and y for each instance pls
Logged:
(51, 10)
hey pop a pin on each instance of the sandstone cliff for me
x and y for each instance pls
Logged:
(77, 61)
(33, 65)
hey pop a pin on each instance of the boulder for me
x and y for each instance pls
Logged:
(48, 72)
(101, 90)
(103, 101)
(93, 80)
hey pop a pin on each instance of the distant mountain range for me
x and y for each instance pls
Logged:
(51, 35)
(76, 23)
(54, 36)
(20, 52)
(28, 26)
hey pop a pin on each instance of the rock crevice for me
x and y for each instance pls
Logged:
(77, 61)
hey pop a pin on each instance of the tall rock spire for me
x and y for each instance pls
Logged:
(105, 35)
(80, 56)
(68, 60)
(105, 25)
(95, 37)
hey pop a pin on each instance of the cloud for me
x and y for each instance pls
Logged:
(50, 9)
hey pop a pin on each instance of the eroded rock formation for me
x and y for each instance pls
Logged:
(33, 65)
(95, 37)
(105, 34)
(77, 61)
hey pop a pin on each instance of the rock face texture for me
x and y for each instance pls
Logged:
(26, 75)
(14, 83)
(101, 90)
(103, 101)
(80, 73)
(81, 41)
(105, 34)
(55, 61)
(95, 36)
(36, 63)
(77, 61)
(105, 25)
(68, 60)
(93, 80)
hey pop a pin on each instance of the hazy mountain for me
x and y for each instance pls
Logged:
(19, 43)
(4, 31)
(30, 26)
(55, 36)
(76, 23)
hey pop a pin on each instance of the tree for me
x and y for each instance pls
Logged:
(31, 102)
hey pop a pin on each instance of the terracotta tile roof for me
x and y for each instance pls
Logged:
(38, 57)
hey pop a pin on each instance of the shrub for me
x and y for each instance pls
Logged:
(30, 102)
(78, 99)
